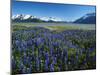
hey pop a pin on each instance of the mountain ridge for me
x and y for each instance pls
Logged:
(89, 18)
(30, 18)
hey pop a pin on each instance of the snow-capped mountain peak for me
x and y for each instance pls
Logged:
(26, 16)
(21, 16)
(18, 16)
(50, 18)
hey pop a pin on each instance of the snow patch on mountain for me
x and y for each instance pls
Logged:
(88, 15)
(50, 18)
(26, 16)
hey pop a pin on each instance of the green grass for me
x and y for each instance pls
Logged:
(27, 26)
(61, 28)
(70, 27)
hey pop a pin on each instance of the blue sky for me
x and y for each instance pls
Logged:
(66, 12)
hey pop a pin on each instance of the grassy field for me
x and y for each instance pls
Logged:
(54, 26)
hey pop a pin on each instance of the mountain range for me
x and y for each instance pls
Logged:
(30, 18)
(89, 18)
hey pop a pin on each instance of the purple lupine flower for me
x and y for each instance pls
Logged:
(46, 65)
(17, 42)
(37, 64)
(91, 49)
(54, 60)
(77, 56)
(29, 43)
(51, 67)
